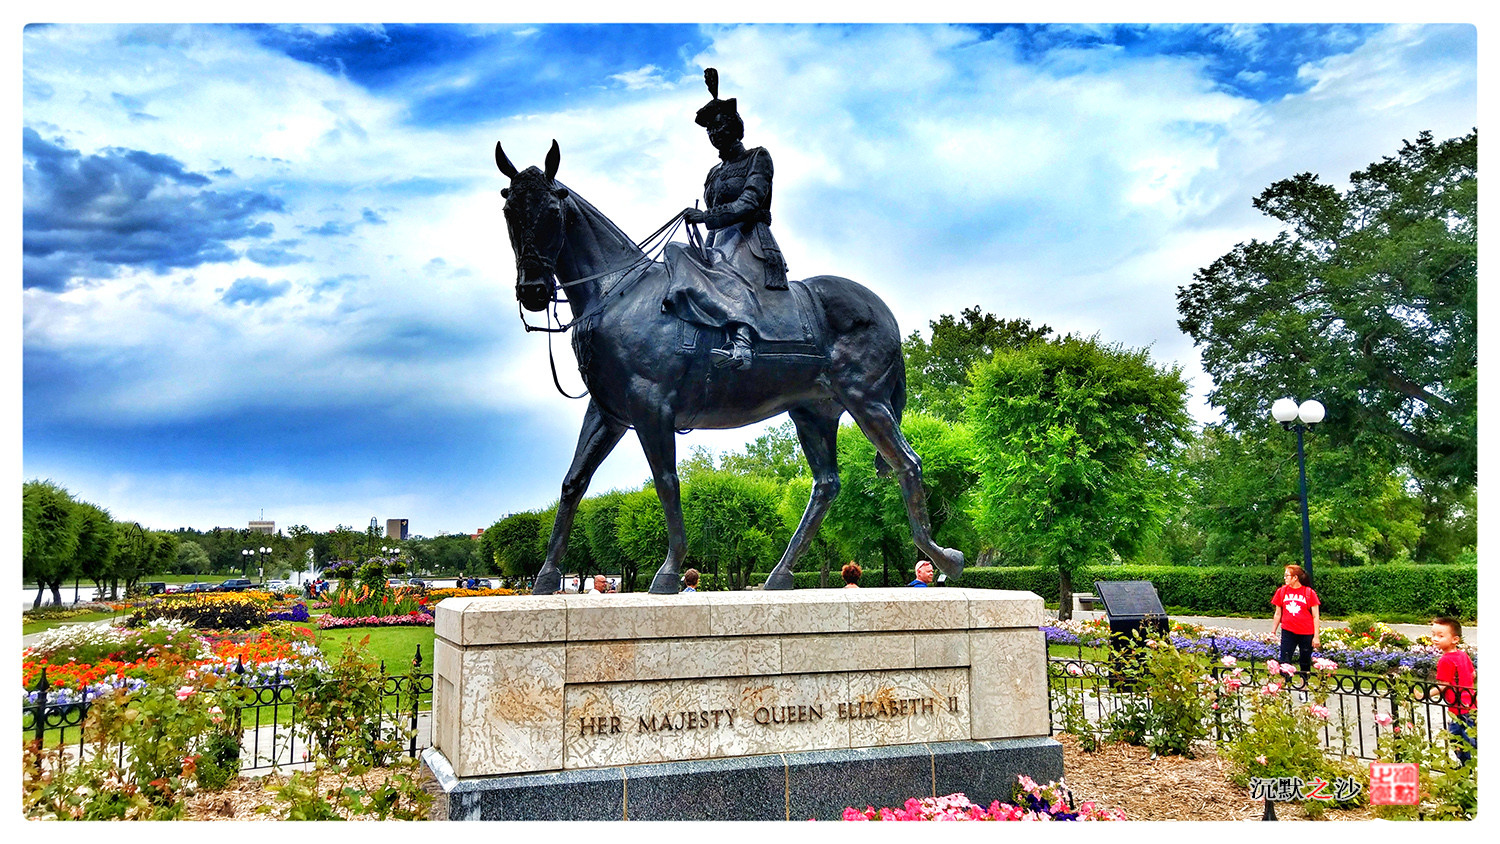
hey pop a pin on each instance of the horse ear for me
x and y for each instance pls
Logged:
(554, 156)
(503, 162)
(561, 193)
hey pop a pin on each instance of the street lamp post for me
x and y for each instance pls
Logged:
(1300, 418)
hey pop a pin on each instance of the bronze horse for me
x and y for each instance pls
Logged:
(630, 357)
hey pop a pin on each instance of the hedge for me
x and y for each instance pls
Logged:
(1234, 591)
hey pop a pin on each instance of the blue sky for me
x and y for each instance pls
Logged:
(264, 267)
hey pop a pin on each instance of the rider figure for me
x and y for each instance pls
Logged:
(738, 194)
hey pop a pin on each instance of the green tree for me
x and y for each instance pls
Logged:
(598, 515)
(1243, 498)
(869, 517)
(1367, 302)
(641, 529)
(776, 455)
(826, 553)
(732, 523)
(937, 371)
(1075, 442)
(95, 556)
(578, 558)
(49, 537)
(511, 546)
(191, 558)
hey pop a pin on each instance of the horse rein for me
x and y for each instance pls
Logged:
(626, 280)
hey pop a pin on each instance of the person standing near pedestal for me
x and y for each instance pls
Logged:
(690, 580)
(924, 574)
(1296, 615)
(852, 573)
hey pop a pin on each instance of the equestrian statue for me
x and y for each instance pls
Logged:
(712, 336)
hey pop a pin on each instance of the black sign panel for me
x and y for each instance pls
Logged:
(1129, 599)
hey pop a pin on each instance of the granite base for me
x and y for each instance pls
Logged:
(777, 787)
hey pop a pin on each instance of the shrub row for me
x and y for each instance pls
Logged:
(1384, 589)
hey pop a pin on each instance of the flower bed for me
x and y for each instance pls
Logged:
(411, 619)
(85, 661)
(1352, 652)
(1050, 802)
(436, 595)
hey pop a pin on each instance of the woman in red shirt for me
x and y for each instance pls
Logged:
(1297, 617)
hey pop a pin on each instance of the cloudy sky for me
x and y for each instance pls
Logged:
(264, 267)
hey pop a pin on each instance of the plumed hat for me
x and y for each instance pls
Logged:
(715, 106)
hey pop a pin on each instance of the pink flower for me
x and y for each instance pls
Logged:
(185, 692)
(1318, 711)
(1383, 719)
(1233, 683)
(1269, 689)
(1323, 664)
(853, 814)
(1273, 666)
(1074, 669)
(1228, 662)
(1261, 759)
(1288, 668)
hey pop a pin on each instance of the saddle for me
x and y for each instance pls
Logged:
(784, 321)
(789, 329)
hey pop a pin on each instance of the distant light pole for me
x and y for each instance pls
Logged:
(261, 561)
(1300, 418)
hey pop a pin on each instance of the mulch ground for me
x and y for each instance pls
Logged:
(1165, 788)
(1171, 788)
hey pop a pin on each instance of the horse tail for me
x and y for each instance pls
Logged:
(898, 404)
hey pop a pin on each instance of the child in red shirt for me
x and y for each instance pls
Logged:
(1455, 673)
(1297, 616)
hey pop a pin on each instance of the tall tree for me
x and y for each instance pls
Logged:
(1367, 302)
(598, 515)
(511, 546)
(1075, 441)
(732, 523)
(49, 536)
(937, 371)
(96, 544)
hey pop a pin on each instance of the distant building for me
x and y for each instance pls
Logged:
(477, 535)
(395, 528)
(267, 528)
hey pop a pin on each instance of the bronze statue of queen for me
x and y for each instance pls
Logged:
(717, 288)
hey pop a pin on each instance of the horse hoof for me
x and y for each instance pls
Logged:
(547, 583)
(779, 580)
(665, 583)
(949, 562)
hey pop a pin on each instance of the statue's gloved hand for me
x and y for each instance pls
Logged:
(694, 215)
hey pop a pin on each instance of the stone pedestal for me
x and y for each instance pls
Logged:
(622, 700)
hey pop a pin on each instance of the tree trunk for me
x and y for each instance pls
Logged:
(1064, 595)
(38, 602)
(56, 587)
(823, 574)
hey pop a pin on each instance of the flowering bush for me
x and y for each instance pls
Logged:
(1282, 737)
(1050, 802)
(1448, 790)
(365, 600)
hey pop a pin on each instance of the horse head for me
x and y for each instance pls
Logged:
(534, 218)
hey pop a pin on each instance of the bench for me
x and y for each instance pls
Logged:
(1086, 603)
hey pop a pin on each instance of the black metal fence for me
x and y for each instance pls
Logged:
(1362, 707)
(269, 719)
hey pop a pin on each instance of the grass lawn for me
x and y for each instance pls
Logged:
(396, 646)
(38, 626)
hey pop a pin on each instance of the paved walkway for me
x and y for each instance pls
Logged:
(1263, 625)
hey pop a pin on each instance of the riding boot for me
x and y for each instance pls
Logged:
(738, 353)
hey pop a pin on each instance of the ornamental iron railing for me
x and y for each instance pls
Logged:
(268, 719)
(1356, 701)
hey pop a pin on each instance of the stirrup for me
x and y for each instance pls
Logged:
(725, 357)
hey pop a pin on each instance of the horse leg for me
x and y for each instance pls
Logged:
(878, 422)
(659, 441)
(596, 440)
(818, 431)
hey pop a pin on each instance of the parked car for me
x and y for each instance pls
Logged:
(395, 582)
(152, 587)
(483, 583)
(280, 586)
(173, 587)
(199, 587)
(421, 583)
(235, 584)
